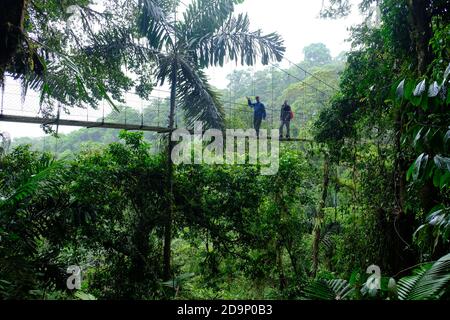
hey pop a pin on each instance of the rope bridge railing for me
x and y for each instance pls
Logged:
(149, 114)
(240, 116)
(146, 113)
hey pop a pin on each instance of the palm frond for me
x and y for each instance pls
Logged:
(66, 82)
(44, 179)
(198, 100)
(429, 282)
(336, 289)
(204, 17)
(163, 68)
(154, 25)
(326, 235)
(152, 9)
(236, 42)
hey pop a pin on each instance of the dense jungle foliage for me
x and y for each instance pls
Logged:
(369, 191)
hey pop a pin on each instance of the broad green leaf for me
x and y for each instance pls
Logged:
(446, 73)
(445, 180)
(421, 162)
(437, 218)
(355, 277)
(447, 137)
(431, 133)
(442, 162)
(400, 89)
(409, 88)
(420, 88)
(418, 137)
(423, 226)
(433, 90)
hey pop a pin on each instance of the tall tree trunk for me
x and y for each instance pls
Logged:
(320, 215)
(170, 145)
(421, 32)
(404, 223)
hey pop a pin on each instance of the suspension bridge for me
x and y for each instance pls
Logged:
(135, 113)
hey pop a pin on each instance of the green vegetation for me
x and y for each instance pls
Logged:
(371, 191)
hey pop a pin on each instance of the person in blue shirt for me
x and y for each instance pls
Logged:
(259, 113)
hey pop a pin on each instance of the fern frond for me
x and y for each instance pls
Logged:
(429, 282)
(336, 289)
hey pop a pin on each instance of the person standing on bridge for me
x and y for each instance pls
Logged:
(259, 113)
(285, 118)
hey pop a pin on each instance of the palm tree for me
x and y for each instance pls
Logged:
(206, 35)
(99, 58)
(27, 216)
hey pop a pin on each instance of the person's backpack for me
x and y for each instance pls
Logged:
(291, 115)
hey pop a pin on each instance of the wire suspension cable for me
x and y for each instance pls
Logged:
(300, 80)
(311, 74)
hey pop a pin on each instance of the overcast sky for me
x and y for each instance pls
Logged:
(296, 21)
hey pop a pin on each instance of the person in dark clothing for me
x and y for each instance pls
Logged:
(285, 119)
(259, 113)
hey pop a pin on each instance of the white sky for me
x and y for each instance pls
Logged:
(296, 21)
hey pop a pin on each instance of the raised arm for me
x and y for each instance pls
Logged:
(250, 104)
